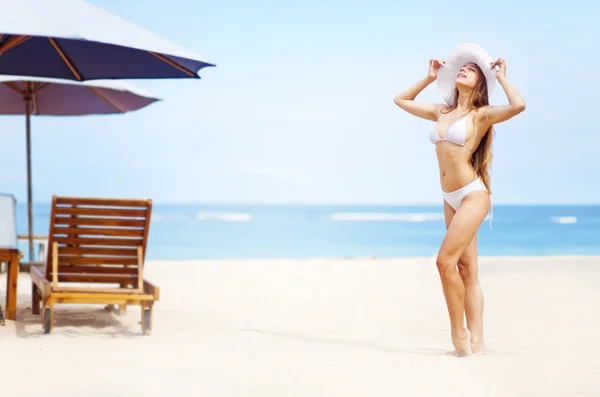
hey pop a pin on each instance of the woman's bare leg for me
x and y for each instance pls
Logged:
(454, 294)
(461, 231)
(468, 268)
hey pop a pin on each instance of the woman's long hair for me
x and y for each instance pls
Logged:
(481, 158)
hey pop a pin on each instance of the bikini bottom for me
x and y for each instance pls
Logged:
(455, 197)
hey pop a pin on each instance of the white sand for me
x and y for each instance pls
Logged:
(318, 328)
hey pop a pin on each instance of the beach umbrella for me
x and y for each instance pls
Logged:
(55, 97)
(75, 40)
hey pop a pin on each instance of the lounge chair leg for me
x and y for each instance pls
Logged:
(147, 313)
(143, 322)
(48, 319)
(35, 299)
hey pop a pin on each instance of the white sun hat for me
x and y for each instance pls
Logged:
(460, 56)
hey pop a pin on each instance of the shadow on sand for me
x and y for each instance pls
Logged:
(75, 321)
(365, 345)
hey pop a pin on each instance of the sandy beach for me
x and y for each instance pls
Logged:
(330, 327)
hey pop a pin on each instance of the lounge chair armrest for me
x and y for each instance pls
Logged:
(151, 289)
(39, 279)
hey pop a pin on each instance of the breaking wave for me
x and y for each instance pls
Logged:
(387, 216)
(564, 219)
(224, 216)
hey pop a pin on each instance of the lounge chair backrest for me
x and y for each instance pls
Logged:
(97, 236)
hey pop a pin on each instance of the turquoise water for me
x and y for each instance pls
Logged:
(237, 231)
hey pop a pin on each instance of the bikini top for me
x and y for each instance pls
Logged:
(457, 133)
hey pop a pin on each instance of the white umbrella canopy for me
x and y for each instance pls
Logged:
(75, 40)
(55, 97)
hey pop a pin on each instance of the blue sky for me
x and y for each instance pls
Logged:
(299, 108)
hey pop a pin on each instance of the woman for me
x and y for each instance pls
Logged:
(462, 135)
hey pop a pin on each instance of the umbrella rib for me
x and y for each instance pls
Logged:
(173, 63)
(40, 87)
(65, 58)
(13, 86)
(105, 99)
(12, 42)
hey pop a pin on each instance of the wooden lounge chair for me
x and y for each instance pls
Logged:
(95, 241)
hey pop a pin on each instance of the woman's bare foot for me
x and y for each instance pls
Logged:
(478, 347)
(462, 343)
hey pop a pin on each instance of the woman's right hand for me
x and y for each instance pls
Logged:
(434, 67)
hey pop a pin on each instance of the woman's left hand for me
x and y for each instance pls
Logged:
(501, 71)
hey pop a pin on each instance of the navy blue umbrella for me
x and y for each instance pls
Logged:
(74, 40)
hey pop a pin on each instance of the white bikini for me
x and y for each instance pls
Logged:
(457, 134)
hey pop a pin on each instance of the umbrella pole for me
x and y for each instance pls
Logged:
(29, 193)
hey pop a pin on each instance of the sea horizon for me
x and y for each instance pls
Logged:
(424, 203)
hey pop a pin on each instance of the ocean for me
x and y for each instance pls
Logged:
(291, 231)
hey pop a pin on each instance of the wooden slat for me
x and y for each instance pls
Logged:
(96, 278)
(101, 202)
(127, 213)
(108, 242)
(64, 251)
(54, 264)
(137, 223)
(92, 290)
(146, 230)
(51, 238)
(114, 270)
(100, 299)
(99, 231)
(140, 268)
(76, 260)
